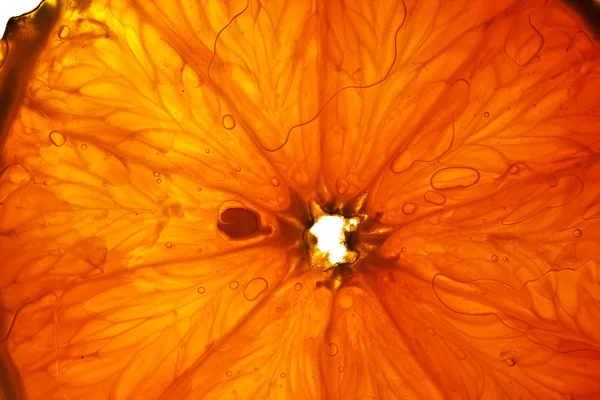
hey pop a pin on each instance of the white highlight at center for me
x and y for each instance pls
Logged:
(329, 231)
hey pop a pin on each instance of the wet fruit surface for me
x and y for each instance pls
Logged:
(162, 162)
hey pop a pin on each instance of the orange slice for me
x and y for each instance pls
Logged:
(162, 162)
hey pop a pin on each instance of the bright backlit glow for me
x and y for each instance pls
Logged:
(10, 9)
(330, 233)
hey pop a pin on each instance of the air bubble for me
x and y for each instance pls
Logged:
(159, 181)
(199, 189)
(201, 290)
(228, 373)
(460, 355)
(57, 138)
(228, 122)
(505, 259)
(207, 151)
(535, 106)
(64, 32)
(494, 258)
(255, 288)
(103, 184)
(341, 368)
(342, 186)
(454, 177)
(45, 183)
(503, 208)
(83, 146)
(234, 285)
(156, 174)
(409, 208)
(297, 286)
(403, 249)
(332, 349)
(278, 309)
(486, 114)
(435, 198)
(238, 168)
(168, 245)
(510, 362)
(199, 249)
(577, 233)
(275, 182)
(283, 375)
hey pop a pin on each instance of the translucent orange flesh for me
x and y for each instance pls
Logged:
(158, 161)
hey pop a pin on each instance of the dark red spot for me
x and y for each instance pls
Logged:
(238, 223)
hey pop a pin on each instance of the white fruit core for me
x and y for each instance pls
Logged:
(330, 233)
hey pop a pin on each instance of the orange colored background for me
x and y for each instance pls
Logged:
(158, 158)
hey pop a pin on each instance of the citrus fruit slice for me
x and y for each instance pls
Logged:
(300, 200)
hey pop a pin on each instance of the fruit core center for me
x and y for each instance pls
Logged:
(328, 241)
